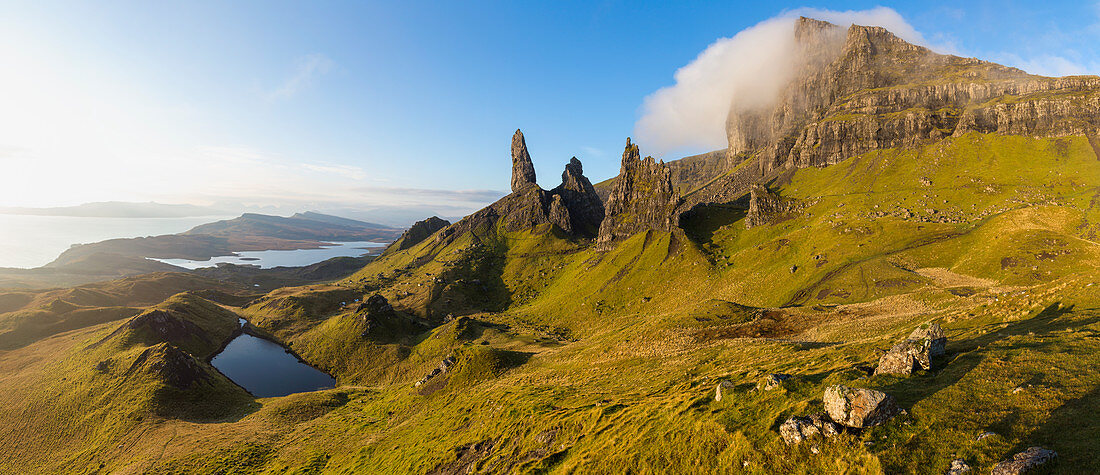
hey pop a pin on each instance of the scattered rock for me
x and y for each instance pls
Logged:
(444, 366)
(773, 381)
(1026, 461)
(797, 429)
(859, 408)
(958, 466)
(719, 387)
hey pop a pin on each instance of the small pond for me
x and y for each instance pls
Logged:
(282, 258)
(266, 369)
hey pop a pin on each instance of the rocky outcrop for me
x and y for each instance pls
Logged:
(915, 352)
(858, 407)
(797, 429)
(643, 199)
(579, 197)
(573, 206)
(523, 171)
(375, 305)
(169, 364)
(420, 231)
(766, 207)
(1027, 461)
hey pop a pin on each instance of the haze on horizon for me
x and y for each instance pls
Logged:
(293, 106)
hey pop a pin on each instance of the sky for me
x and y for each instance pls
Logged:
(297, 105)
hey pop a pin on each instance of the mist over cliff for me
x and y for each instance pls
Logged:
(745, 72)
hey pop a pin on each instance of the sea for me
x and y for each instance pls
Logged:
(33, 241)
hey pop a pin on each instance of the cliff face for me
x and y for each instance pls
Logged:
(864, 88)
(643, 198)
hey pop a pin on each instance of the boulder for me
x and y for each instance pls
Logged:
(858, 407)
(933, 334)
(773, 381)
(958, 466)
(796, 429)
(718, 389)
(1026, 461)
(915, 352)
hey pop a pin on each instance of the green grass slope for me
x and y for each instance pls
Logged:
(569, 360)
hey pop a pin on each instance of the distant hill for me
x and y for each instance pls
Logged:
(122, 257)
(301, 226)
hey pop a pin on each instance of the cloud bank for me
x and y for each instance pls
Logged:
(745, 71)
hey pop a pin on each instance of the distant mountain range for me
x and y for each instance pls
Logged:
(122, 257)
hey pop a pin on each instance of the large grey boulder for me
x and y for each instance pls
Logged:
(931, 332)
(797, 429)
(915, 352)
(1026, 461)
(857, 407)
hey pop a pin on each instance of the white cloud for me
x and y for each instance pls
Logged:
(1047, 64)
(306, 72)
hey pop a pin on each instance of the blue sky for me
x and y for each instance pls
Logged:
(315, 104)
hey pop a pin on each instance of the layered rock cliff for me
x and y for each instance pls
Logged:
(864, 88)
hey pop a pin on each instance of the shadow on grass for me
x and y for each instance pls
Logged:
(702, 221)
(963, 356)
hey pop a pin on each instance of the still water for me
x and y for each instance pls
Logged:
(291, 258)
(266, 369)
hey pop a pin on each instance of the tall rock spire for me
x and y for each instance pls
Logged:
(523, 171)
(643, 198)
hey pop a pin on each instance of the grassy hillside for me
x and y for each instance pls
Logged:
(566, 359)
